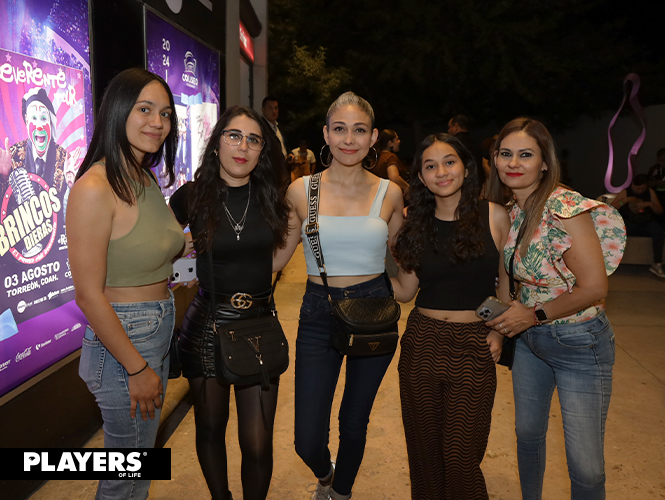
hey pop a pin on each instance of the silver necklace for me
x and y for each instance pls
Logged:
(239, 226)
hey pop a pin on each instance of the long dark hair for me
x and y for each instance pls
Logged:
(549, 180)
(419, 227)
(109, 140)
(210, 190)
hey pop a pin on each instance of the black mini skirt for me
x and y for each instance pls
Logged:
(196, 335)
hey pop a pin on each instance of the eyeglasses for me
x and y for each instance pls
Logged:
(233, 138)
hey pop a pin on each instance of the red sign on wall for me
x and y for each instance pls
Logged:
(246, 43)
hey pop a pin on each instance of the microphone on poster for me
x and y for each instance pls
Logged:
(23, 192)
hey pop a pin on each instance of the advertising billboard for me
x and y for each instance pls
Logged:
(192, 71)
(45, 125)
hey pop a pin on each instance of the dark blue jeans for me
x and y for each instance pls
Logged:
(317, 371)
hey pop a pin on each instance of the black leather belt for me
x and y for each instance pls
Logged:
(239, 300)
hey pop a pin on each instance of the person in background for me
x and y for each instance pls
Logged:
(304, 161)
(122, 239)
(359, 214)
(458, 126)
(560, 249)
(487, 147)
(657, 172)
(279, 156)
(639, 206)
(388, 165)
(447, 368)
(657, 180)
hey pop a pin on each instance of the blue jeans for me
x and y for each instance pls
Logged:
(317, 371)
(577, 359)
(149, 326)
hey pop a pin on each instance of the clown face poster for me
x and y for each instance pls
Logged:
(45, 124)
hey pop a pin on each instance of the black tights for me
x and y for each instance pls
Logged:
(211, 414)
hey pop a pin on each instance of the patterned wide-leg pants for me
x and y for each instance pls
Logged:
(447, 384)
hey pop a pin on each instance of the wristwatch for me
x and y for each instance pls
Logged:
(541, 316)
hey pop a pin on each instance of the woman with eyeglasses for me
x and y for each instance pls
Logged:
(238, 216)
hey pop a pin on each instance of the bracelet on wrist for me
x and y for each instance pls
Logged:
(132, 374)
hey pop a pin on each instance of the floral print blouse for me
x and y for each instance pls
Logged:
(542, 272)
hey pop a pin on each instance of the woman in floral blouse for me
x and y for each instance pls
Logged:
(564, 248)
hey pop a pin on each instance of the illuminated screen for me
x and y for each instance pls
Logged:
(192, 71)
(45, 123)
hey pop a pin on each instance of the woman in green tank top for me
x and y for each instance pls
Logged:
(122, 240)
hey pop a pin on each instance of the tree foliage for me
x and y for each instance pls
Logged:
(420, 61)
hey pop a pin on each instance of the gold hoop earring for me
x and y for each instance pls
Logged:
(376, 159)
(329, 155)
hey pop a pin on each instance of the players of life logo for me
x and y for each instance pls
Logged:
(28, 217)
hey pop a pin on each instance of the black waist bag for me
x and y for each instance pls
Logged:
(366, 326)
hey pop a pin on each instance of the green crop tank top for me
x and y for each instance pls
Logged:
(145, 254)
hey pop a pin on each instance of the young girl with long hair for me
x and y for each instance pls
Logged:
(448, 248)
(238, 216)
(122, 240)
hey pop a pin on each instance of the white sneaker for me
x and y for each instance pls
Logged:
(321, 492)
(657, 269)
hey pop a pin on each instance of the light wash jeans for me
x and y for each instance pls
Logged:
(577, 359)
(149, 326)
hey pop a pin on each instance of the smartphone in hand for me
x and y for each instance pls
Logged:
(491, 308)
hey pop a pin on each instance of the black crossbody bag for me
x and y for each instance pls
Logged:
(248, 351)
(364, 326)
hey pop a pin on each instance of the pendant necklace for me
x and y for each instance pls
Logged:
(239, 226)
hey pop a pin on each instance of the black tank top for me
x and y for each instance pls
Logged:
(460, 286)
(238, 265)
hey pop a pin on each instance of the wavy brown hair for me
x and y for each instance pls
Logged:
(419, 228)
(209, 190)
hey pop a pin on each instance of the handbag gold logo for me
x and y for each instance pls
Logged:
(255, 342)
(241, 300)
(373, 345)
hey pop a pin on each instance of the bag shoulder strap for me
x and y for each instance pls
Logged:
(312, 226)
(511, 275)
(312, 231)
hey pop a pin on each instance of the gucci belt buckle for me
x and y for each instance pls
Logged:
(241, 300)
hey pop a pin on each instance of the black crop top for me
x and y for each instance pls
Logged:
(243, 265)
(460, 286)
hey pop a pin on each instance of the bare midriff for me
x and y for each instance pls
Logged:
(343, 281)
(450, 316)
(144, 293)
